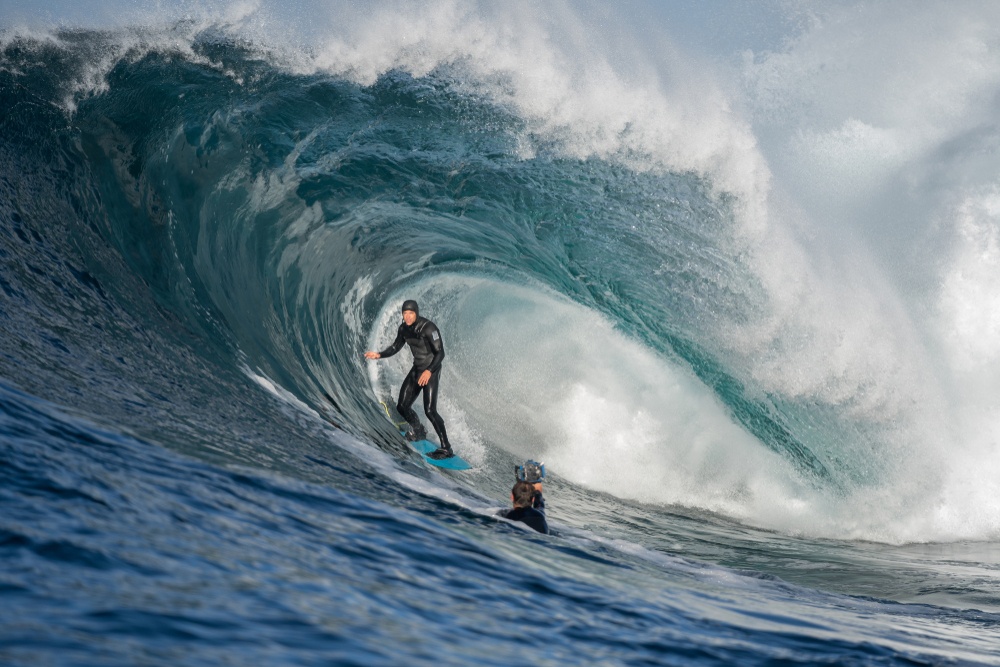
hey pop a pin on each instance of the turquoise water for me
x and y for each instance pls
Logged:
(762, 446)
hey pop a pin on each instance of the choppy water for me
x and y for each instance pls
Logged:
(754, 348)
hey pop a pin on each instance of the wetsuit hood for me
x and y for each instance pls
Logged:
(410, 304)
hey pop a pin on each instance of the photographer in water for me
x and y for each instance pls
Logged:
(526, 496)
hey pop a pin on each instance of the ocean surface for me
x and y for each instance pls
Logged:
(737, 287)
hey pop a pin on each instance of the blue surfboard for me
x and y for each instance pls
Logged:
(425, 447)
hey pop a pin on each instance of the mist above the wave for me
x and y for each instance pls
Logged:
(879, 123)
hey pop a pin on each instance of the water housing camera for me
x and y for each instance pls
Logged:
(531, 472)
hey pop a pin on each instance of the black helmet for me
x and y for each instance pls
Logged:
(410, 304)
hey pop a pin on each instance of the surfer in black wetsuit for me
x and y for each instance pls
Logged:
(427, 348)
(529, 506)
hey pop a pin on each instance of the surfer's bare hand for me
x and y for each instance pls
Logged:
(424, 378)
(538, 487)
(372, 355)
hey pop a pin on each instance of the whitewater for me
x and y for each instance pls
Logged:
(731, 270)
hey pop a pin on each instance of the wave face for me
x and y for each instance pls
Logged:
(740, 351)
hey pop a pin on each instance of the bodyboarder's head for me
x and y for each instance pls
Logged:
(523, 494)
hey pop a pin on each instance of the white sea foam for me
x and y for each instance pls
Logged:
(880, 133)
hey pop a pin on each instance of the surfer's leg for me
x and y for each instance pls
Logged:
(407, 395)
(430, 409)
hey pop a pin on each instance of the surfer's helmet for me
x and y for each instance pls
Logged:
(410, 304)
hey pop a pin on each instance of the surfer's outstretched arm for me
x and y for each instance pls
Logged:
(396, 346)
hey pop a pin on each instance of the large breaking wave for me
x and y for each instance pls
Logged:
(671, 294)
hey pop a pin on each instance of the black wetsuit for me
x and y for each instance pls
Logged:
(533, 516)
(427, 347)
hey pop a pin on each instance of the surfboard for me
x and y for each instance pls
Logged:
(425, 447)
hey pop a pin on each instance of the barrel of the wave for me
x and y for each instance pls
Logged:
(427, 347)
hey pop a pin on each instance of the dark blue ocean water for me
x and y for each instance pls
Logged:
(198, 242)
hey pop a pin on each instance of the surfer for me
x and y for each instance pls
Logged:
(526, 496)
(427, 348)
